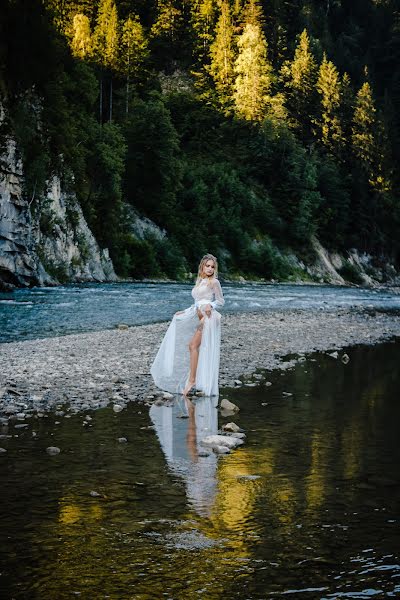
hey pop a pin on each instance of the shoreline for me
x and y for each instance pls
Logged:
(90, 370)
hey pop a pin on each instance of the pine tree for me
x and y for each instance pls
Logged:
(363, 128)
(203, 14)
(300, 77)
(105, 37)
(81, 44)
(370, 141)
(329, 88)
(105, 45)
(222, 55)
(133, 51)
(253, 71)
(169, 20)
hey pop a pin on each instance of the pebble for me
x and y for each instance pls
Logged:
(61, 368)
(53, 450)
(3, 450)
(117, 408)
(94, 494)
(122, 440)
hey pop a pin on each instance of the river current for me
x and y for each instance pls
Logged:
(50, 311)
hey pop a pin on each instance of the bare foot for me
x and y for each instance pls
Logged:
(188, 388)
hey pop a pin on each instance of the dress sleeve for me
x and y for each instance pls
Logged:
(219, 297)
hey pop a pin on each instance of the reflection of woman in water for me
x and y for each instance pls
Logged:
(180, 441)
(188, 357)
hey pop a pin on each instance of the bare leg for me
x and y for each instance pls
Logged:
(194, 346)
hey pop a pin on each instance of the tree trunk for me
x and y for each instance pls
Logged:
(111, 98)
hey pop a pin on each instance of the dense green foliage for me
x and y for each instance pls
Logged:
(240, 127)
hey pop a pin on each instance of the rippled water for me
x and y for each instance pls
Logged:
(307, 508)
(44, 312)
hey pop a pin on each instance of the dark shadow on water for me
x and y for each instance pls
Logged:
(307, 508)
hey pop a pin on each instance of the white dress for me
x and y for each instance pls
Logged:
(170, 369)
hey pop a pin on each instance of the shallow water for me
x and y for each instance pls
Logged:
(307, 508)
(45, 312)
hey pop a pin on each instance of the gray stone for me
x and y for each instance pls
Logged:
(231, 427)
(117, 408)
(53, 450)
(122, 440)
(221, 450)
(227, 405)
(3, 450)
(345, 359)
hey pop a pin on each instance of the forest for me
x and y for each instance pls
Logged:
(240, 127)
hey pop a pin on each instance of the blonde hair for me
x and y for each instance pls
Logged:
(203, 261)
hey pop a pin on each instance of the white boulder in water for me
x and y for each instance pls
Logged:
(221, 440)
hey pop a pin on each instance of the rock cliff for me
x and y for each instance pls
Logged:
(53, 246)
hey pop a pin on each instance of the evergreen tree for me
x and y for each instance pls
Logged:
(81, 44)
(300, 76)
(363, 128)
(133, 51)
(329, 88)
(169, 20)
(105, 45)
(105, 36)
(252, 69)
(222, 55)
(203, 21)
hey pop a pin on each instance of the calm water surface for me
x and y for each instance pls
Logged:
(44, 312)
(307, 508)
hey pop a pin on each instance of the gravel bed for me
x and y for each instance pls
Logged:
(90, 370)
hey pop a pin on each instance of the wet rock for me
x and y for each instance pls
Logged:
(345, 359)
(248, 477)
(287, 394)
(168, 396)
(221, 450)
(53, 450)
(333, 354)
(202, 454)
(122, 440)
(268, 383)
(21, 425)
(10, 410)
(227, 405)
(95, 494)
(239, 435)
(231, 427)
(117, 408)
(221, 440)
(122, 326)
(159, 402)
(3, 450)
(237, 382)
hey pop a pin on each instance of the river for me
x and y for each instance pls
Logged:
(307, 508)
(45, 312)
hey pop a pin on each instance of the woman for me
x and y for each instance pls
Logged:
(188, 357)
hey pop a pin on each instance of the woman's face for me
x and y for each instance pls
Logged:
(209, 268)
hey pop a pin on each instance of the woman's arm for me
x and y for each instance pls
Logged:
(219, 297)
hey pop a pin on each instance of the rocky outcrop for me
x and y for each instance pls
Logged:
(55, 245)
(343, 268)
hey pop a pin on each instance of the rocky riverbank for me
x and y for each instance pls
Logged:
(90, 370)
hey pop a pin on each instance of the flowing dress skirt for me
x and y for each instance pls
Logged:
(171, 366)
